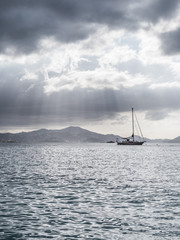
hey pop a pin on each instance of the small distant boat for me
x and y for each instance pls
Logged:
(11, 141)
(131, 140)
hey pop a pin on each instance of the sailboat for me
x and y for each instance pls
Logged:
(131, 140)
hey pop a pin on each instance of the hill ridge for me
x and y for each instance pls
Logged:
(68, 134)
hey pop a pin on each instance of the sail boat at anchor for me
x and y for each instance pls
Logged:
(131, 140)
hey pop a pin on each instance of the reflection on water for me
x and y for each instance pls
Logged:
(89, 191)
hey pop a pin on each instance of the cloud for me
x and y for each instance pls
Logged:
(154, 10)
(26, 103)
(170, 42)
(24, 23)
(97, 79)
(156, 115)
(81, 61)
(54, 88)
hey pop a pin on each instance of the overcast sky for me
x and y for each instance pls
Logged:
(86, 63)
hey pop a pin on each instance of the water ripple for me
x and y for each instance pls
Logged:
(92, 191)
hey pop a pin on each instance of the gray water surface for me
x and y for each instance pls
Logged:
(89, 191)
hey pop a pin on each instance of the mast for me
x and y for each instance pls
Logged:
(133, 124)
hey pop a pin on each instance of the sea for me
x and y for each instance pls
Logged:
(85, 191)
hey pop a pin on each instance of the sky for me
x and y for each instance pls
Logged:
(87, 63)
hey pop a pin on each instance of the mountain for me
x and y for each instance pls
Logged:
(70, 134)
(175, 140)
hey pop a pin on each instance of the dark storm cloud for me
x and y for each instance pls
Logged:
(164, 9)
(171, 42)
(154, 10)
(23, 23)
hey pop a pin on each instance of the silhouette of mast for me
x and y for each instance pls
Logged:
(133, 124)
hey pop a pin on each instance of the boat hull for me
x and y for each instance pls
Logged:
(130, 143)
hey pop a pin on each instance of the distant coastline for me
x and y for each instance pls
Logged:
(68, 135)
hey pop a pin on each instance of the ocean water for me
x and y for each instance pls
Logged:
(89, 191)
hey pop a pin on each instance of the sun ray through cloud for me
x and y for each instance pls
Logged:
(92, 65)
